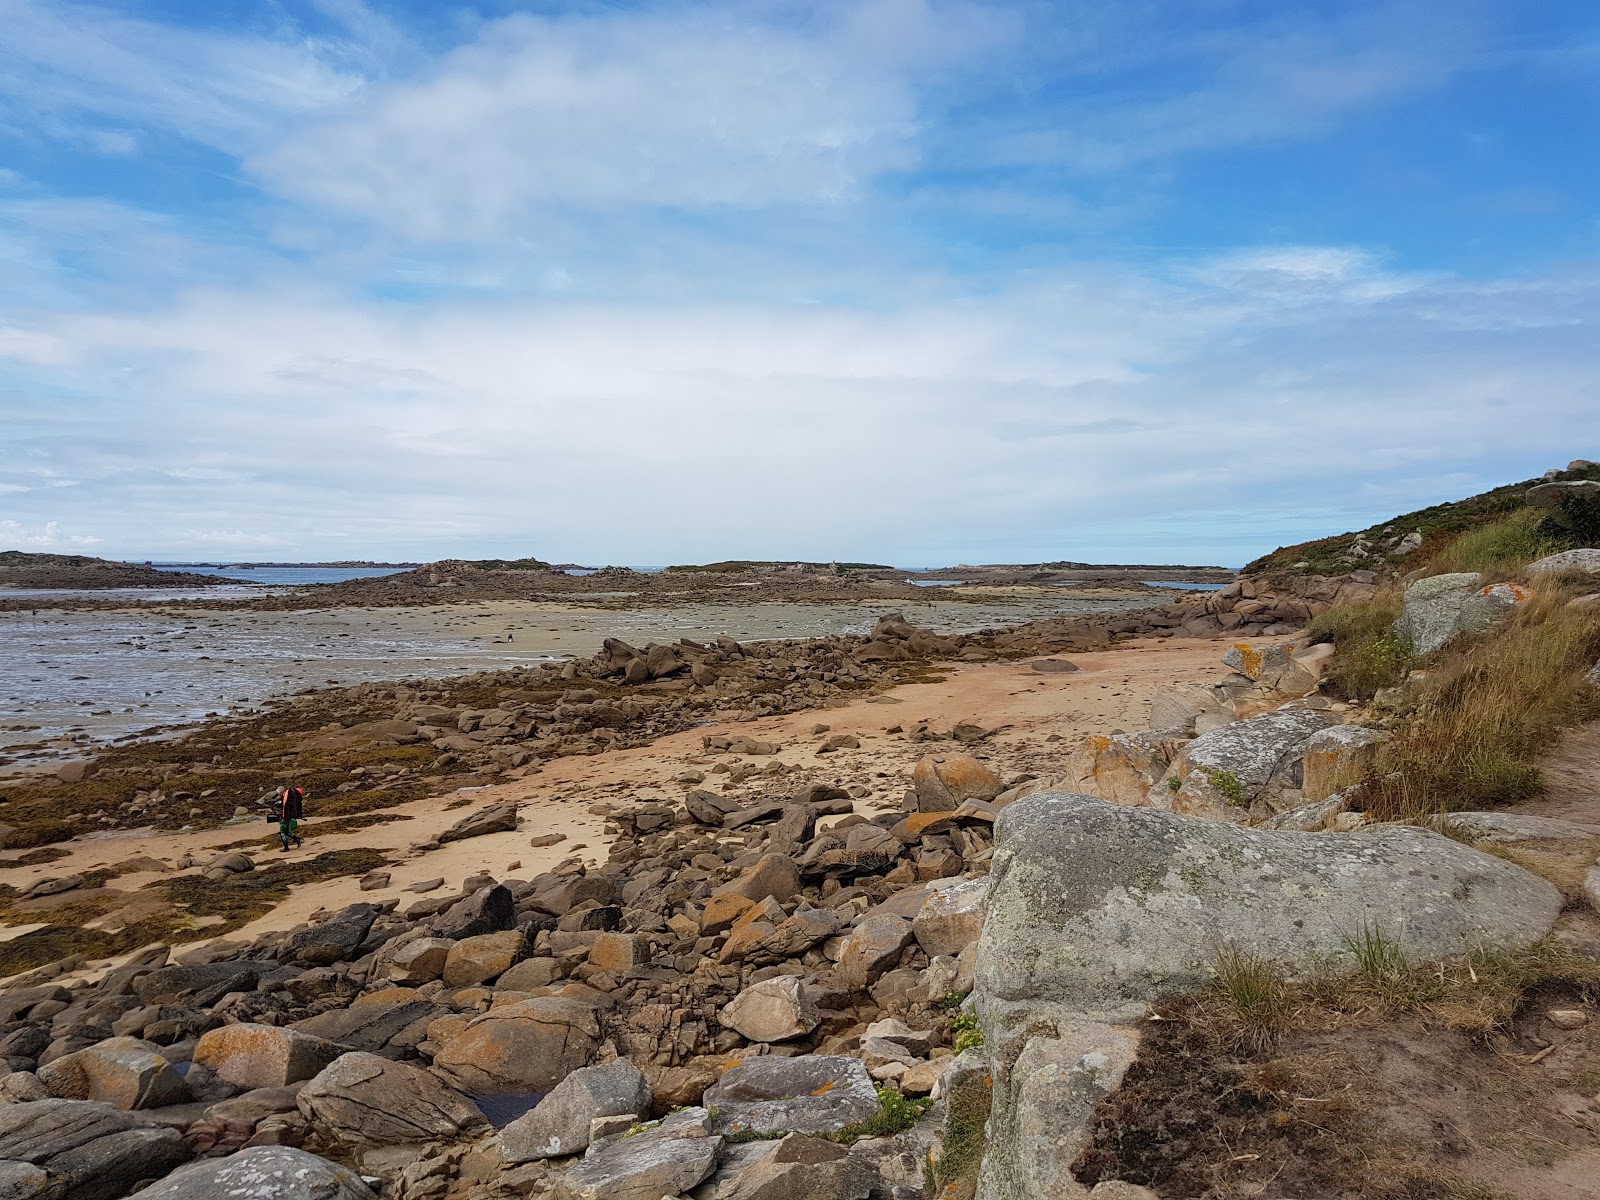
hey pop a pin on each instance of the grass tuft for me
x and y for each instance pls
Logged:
(1367, 655)
(1500, 549)
(1255, 991)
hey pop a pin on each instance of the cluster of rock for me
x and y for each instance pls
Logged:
(756, 964)
(1272, 606)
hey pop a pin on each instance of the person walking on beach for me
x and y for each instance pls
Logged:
(291, 804)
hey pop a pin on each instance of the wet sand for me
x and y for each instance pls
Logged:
(1040, 719)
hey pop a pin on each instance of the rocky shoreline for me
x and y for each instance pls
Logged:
(834, 976)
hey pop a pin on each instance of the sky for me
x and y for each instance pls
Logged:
(907, 281)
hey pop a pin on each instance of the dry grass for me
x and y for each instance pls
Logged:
(1485, 711)
(1256, 992)
(1500, 550)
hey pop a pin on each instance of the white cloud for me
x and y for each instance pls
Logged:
(49, 536)
(1057, 416)
(700, 106)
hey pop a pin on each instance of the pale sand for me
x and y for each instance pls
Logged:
(1112, 690)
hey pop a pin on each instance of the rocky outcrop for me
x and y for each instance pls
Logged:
(526, 1047)
(1096, 908)
(124, 1072)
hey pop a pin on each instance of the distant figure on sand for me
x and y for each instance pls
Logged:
(291, 804)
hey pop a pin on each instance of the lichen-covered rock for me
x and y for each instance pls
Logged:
(362, 1100)
(263, 1056)
(1442, 607)
(1096, 908)
(951, 918)
(420, 960)
(526, 1047)
(560, 1124)
(812, 1093)
(1259, 754)
(795, 1167)
(262, 1173)
(1121, 767)
(943, 782)
(1338, 757)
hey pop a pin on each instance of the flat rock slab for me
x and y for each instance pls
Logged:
(1507, 827)
(648, 1166)
(262, 1173)
(363, 1100)
(813, 1093)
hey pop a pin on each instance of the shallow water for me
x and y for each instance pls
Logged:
(73, 677)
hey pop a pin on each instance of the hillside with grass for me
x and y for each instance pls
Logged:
(1520, 530)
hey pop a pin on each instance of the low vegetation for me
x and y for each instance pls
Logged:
(1472, 728)
(1441, 525)
(1381, 1080)
(1367, 657)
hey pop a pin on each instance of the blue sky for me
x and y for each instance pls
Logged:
(1162, 280)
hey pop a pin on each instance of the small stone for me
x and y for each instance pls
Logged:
(1567, 1018)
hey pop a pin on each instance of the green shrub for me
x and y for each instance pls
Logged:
(1575, 523)
(1227, 785)
(1367, 656)
(967, 1035)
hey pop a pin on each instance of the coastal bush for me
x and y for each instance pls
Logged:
(1500, 549)
(1576, 522)
(1479, 718)
(1367, 656)
(965, 1032)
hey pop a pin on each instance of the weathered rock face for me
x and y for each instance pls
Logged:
(943, 782)
(420, 960)
(334, 940)
(774, 1010)
(1095, 908)
(666, 1161)
(124, 1072)
(561, 1122)
(1584, 563)
(951, 919)
(1338, 757)
(262, 1173)
(525, 1047)
(1442, 607)
(86, 1150)
(261, 1056)
(363, 1100)
(814, 1093)
(1262, 753)
(487, 910)
(795, 1167)
(1551, 495)
(871, 948)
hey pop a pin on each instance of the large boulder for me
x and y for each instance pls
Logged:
(1584, 563)
(1552, 495)
(482, 958)
(1262, 754)
(871, 948)
(1122, 767)
(772, 875)
(526, 1047)
(86, 1150)
(487, 910)
(170, 984)
(774, 1010)
(361, 1100)
(335, 940)
(262, 1173)
(420, 960)
(943, 782)
(124, 1072)
(951, 918)
(560, 1124)
(1442, 607)
(811, 1093)
(260, 1056)
(795, 1167)
(1096, 909)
